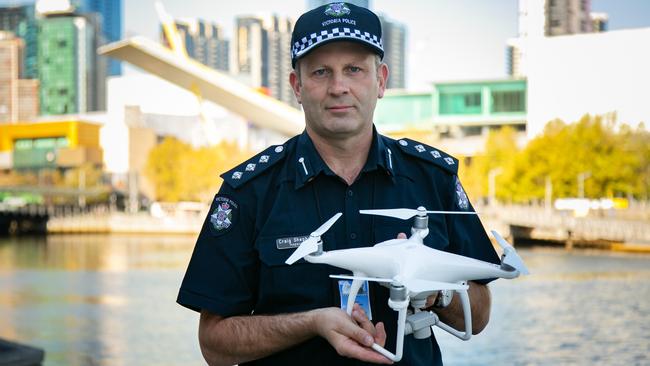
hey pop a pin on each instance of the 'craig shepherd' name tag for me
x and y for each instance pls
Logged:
(290, 243)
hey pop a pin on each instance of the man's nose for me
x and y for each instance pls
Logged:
(338, 84)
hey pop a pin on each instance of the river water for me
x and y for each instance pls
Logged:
(110, 300)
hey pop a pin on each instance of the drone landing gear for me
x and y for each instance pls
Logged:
(398, 301)
(420, 323)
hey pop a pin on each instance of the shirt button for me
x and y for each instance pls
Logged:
(350, 193)
(353, 236)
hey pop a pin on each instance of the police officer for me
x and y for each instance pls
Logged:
(257, 310)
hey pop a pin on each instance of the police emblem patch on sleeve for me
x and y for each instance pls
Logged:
(223, 215)
(463, 201)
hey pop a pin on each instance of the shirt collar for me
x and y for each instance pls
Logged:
(308, 163)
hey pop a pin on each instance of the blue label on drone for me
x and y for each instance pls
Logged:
(363, 296)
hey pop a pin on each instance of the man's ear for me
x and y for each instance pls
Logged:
(382, 78)
(294, 80)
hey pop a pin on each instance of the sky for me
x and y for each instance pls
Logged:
(446, 39)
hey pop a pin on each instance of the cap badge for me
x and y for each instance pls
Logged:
(337, 10)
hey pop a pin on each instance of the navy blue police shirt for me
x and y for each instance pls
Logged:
(272, 202)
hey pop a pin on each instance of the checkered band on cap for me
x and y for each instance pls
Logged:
(305, 44)
(335, 22)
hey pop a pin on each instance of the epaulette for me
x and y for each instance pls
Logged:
(430, 154)
(254, 166)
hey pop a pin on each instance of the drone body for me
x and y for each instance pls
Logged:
(412, 271)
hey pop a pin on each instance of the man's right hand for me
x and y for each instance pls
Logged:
(351, 339)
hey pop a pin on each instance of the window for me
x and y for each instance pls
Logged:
(23, 144)
(473, 100)
(508, 101)
(460, 103)
(45, 143)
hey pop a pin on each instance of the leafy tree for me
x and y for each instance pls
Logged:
(500, 149)
(614, 162)
(180, 172)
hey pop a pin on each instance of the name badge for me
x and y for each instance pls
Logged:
(290, 243)
(363, 296)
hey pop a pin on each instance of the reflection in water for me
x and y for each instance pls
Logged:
(95, 252)
(110, 300)
(580, 308)
(98, 299)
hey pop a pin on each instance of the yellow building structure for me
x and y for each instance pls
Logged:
(49, 144)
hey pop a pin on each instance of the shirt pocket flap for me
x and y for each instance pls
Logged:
(271, 254)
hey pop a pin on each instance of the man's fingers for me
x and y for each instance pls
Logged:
(360, 317)
(401, 236)
(380, 334)
(431, 299)
(349, 348)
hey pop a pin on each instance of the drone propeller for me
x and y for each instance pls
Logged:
(510, 256)
(310, 245)
(407, 213)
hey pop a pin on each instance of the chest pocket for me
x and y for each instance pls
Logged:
(290, 288)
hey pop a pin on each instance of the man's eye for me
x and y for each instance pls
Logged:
(354, 69)
(320, 72)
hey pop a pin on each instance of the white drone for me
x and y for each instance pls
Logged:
(412, 271)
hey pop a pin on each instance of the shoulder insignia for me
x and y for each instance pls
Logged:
(430, 154)
(254, 166)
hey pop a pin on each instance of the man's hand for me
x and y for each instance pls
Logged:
(350, 339)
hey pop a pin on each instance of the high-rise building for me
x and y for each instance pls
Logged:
(279, 60)
(18, 97)
(72, 76)
(21, 21)
(567, 17)
(599, 22)
(548, 18)
(262, 55)
(110, 24)
(250, 48)
(204, 42)
(394, 40)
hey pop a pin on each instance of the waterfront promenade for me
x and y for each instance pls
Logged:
(606, 230)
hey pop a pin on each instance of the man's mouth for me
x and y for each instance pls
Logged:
(339, 108)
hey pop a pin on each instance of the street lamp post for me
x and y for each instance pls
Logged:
(548, 194)
(581, 183)
(492, 174)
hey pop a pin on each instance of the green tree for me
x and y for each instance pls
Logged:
(614, 162)
(563, 152)
(500, 150)
(182, 173)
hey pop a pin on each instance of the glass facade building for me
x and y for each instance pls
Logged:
(21, 21)
(111, 16)
(70, 79)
